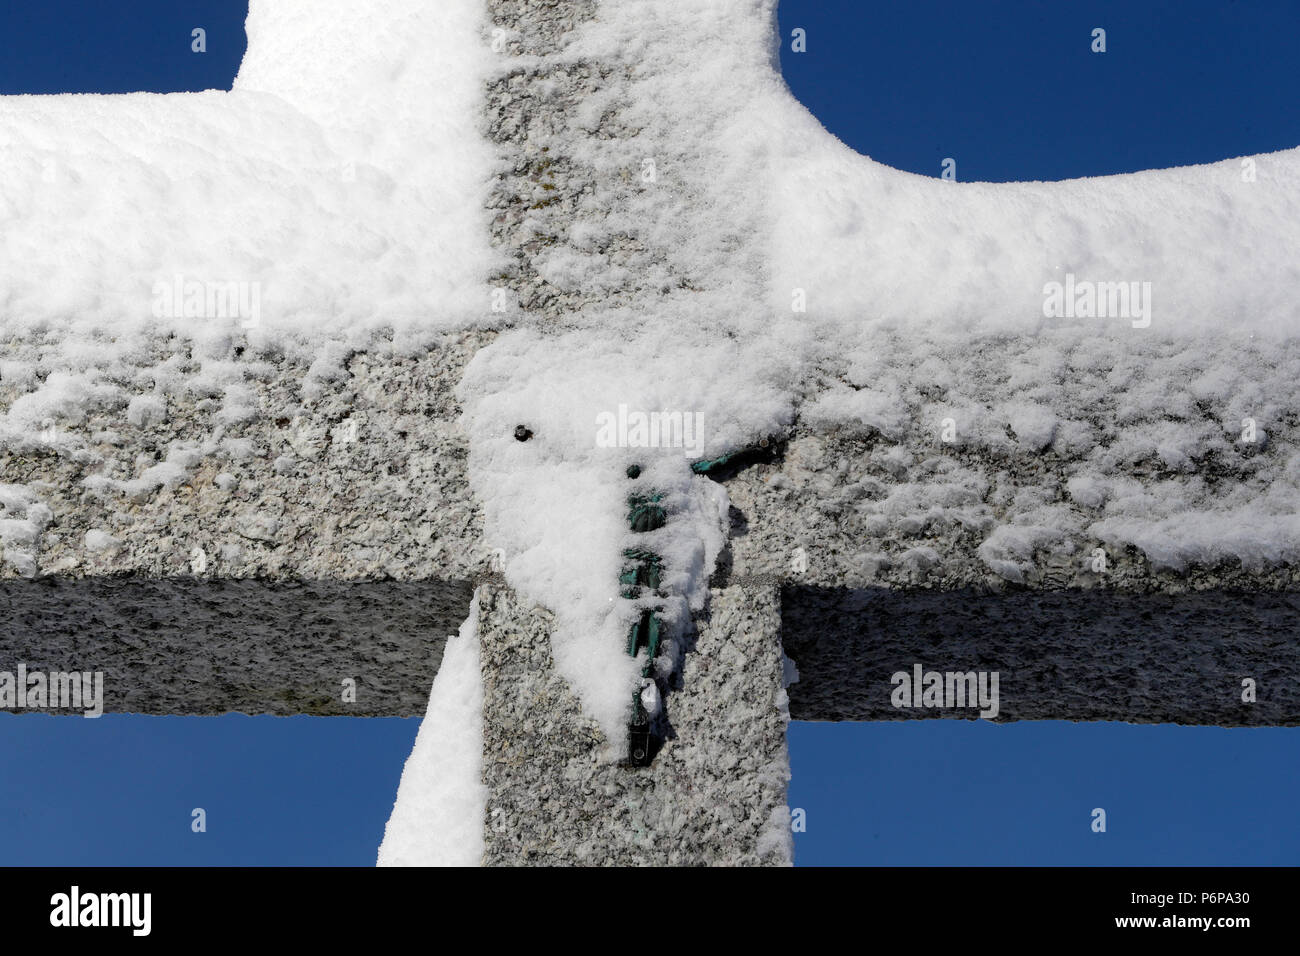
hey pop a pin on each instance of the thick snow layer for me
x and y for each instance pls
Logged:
(341, 182)
(849, 245)
(441, 804)
(871, 245)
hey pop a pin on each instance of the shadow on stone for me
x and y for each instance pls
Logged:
(1060, 655)
(186, 645)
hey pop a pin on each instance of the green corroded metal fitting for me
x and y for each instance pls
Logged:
(645, 633)
(646, 513)
(707, 465)
(642, 572)
(639, 737)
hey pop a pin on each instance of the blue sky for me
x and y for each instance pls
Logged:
(1012, 90)
(1010, 94)
(122, 789)
(85, 46)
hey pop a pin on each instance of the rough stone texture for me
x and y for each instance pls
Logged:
(211, 646)
(1060, 655)
(715, 793)
(884, 502)
(573, 134)
(204, 646)
(867, 504)
(538, 190)
(322, 526)
(296, 470)
(570, 189)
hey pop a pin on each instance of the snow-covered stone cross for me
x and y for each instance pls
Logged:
(1041, 429)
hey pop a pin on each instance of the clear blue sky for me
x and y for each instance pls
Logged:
(1010, 94)
(1013, 91)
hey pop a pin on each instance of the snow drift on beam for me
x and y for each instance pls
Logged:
(342, 178)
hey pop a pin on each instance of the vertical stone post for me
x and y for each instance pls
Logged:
(715, 792)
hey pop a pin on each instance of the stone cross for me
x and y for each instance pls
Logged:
(338, 538)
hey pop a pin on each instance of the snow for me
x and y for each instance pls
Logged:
(144, 410)
(808, 254)
(337, 192)
(872, 246)
(22, 518)
(1178, 523)
(342, 179)
(100, 540)
(341, 188)
(861, 410)
(556, 505)
(441, 804)
(1220, 254)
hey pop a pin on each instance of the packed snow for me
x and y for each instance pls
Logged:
(341, 183)
(441, 800)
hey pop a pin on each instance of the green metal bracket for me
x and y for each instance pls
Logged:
(646, 513)
(642, 571)
(709, 465)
